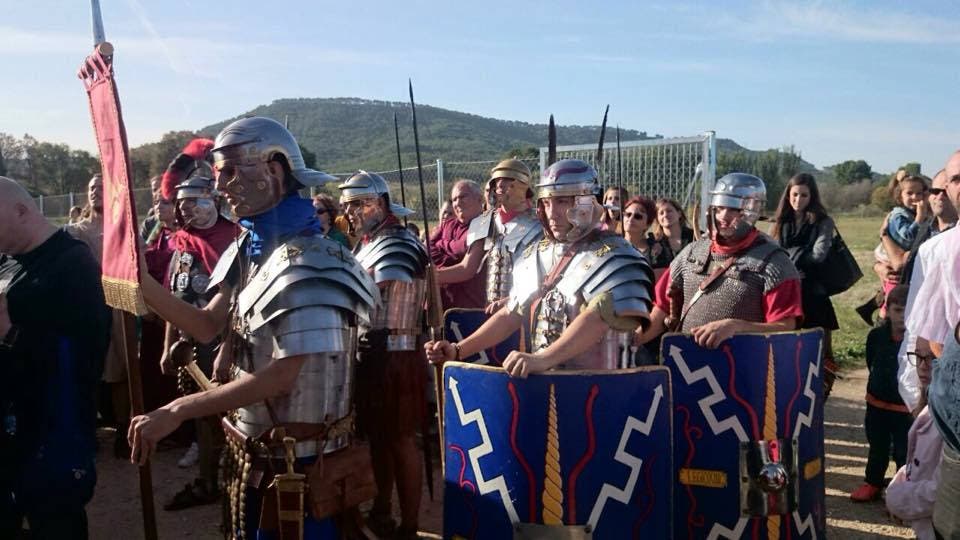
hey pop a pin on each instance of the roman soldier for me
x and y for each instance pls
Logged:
(580, 289)
(736, 280)
(293, 300)
(203, 235)
(499, 235)
(391, 373)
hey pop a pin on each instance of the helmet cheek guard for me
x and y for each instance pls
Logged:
(744, 192)
(576, 178)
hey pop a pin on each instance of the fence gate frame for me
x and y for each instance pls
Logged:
(660, 149)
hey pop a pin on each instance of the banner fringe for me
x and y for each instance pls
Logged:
(125, 295)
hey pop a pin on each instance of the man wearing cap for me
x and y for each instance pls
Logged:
(500, 235)
(737, 280)
(391, 373)
(203, 235)
(583, 290)
(292, 299)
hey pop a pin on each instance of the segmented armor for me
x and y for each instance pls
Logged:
(306, 298)
(738, 293)
(397, 261)
(503, 243)
(605, 265)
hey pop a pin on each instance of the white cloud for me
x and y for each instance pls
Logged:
(838, 21)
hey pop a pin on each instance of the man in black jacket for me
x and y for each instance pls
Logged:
(54, 332)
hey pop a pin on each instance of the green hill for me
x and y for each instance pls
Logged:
(349, 133)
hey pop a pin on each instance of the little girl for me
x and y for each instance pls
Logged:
(903, 222)
(905, 219)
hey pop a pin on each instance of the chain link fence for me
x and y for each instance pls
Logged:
(655, 168)
(683, 169)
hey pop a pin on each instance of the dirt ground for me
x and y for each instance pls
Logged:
(114, 512)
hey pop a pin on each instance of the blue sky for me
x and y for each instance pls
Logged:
(873, 80)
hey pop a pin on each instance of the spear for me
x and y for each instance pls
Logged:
(551, 143)
(603, 131)
(434, 304)
(403, 192)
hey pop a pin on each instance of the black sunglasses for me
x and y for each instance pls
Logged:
(936, 191)
(321, 211)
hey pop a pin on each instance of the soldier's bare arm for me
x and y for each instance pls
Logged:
(712, 334)
(582, 334)
(204, 325)
(496, 329)
(657, 327)
(276, 379)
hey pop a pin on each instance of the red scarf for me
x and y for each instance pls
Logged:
(737, 247)
(207, 244)
(506, 216)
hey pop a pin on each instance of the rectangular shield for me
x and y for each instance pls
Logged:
(459, 323)
(569, 454)
(748, 436)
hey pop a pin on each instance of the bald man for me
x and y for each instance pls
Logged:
(54, 332)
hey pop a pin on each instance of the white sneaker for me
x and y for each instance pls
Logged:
(190, 457)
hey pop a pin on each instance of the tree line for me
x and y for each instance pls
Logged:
(47, 168)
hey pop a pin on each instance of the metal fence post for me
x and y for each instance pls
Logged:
(71, 200)
(41, 205)
(709, 175)
(440, 197)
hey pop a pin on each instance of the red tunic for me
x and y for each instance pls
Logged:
(449, 243)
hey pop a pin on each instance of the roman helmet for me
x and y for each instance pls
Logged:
(742, 191)
(515, 170)
(365, 186)
(241, 154)
(196, 203)
(571, 178)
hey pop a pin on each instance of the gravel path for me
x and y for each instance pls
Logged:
(114, 512)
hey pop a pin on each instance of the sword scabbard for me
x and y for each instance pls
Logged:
(290, 488)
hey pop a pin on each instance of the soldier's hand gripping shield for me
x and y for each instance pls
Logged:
(748, 436)
(567, 454)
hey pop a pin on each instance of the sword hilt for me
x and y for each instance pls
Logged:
(289, 444)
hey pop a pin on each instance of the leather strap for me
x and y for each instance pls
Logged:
(707, 281)
(551, 280)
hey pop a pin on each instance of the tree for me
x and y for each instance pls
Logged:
(912, 168)
(852, 171)
(881, 198)
(522, 152)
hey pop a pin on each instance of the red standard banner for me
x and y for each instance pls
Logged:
(121, 273)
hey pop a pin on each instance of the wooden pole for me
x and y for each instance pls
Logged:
(135, 384)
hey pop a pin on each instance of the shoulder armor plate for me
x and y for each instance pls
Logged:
(308, 271)
(480, 229)
(394, 254)
(226, 261)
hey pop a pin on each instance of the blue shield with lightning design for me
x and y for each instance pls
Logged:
(459, 323)
(577, 454)
(748, 436)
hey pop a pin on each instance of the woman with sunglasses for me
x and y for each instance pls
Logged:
(327, 213)
(637, 215)
(804, 229)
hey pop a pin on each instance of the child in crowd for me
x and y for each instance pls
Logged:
(913, 490)
(887, 419)
(903, 222)
(901, 226)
